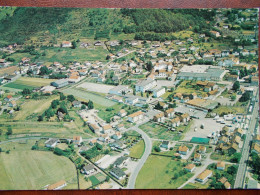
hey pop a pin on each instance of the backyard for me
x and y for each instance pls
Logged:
(161, 173)
(137, 150)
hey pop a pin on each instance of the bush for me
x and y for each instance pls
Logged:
(157, 149)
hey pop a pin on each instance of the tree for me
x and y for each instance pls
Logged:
(90, 105)
(9, 130)
(1, 131)
(99, 146)
(74, 45)
(26, 91)
(83, 106)
(142, 94)
(55, 103)
(44, 71)
(158, 106)
(107, 178)
(255, 163)
(233, 97)
(236, 86)
(134, 92)
(0, 149)
(70, 98)
(149, 66)
(63, 109)
(245, 97)
(58, 151)
(157, 149)
(232, 170)
(62, 96)
(40, 118)
(34, 147)
(49, 113)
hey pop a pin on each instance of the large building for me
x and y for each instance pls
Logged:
(60, 83)
(145, 85)
(201, 72)
(119, 90)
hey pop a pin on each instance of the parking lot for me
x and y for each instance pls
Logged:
(100, 88)
(210, 126)
(191, 111)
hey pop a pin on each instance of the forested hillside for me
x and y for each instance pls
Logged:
(49, 24)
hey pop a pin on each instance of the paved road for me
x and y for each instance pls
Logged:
(239, 182)
(147, 152)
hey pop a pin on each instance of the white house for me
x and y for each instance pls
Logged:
(66, 44)
(158, 91)
(145, 85)
(204, 176)
(119, 90)
(52, 142)
(88, 169)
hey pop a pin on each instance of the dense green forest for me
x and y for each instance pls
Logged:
(21, 24)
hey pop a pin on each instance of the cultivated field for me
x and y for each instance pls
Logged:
(27, 82)
(89, 96)
(24, 169)
(9, 70)
(158, 173)
(95, 87)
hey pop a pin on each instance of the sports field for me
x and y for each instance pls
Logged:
(24, 169)
(27, 82)
(89, 96)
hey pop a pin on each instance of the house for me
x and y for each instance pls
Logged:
(116, 136)
(51, 142)
(225, 182)
(66, 44)
(144, 85)
(236, 139)
(118, 144)
(163, 105)
(12, 104)
(202, 149)
(169, 113)
(139, 115)
(76, 104)
(233, 148)
(204, 176)
(107, 128)
(185, 117)
(88, 169)
(165, 145)
(74, 79)
(190, 167)
(175, 122)
(215, 33)
(120, 127)
(60, 83)
(183, 150)
(255, 148)
(120, 162)
(77, 140)
(117, 173)
(131, 100)
(92, 142)
(8, 98)
(221, 165)
(93, 127)
(119, 90)
(159, 117)
(197, 157)
(57, 186)
(122, 113)
(158, 91)
(238, 132)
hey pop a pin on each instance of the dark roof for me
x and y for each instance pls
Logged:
(118, 172)
(120, 160)
(165, 142)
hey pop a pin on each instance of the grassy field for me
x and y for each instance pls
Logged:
(24, 169)
(27, 82)
(33, 106)
(159, 132)
(229, 109)
(89, 96)
(157, 173)
(137, 150)
(63, 55)
(186, 88)
(196, 185)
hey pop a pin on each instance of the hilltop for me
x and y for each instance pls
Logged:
(43, 26)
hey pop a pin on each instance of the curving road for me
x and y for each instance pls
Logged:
(147, 151)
